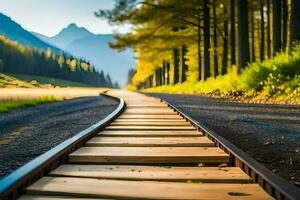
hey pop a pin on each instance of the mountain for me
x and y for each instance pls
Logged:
(82, 43)
(14, 32)
(14, 61)
(66, 36)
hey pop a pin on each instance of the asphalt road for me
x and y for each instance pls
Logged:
(268, 133)
(29, 132)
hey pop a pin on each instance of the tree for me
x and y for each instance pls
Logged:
(199, 47)
(252, 35)
(243, 34)
(130, 75)
(25, 60)
(269, 29)
(206, 68)
(1, 65)
(295, 21)
(163, 74)
(184, 49)
(176, 65)
(216, 73)
(184, 67)
(225, 41)
(284, 23)
(232, 31)
(168, 72)
(262, 31)
(276, 26)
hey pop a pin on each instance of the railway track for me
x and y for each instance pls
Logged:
(151, 150)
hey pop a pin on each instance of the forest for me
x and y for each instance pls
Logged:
(212, 46)
(18, 59)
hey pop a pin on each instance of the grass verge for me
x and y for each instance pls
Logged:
(41, 81)
(26, 81)
(275, 80)
(6, 106)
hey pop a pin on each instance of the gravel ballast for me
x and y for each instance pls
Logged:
(268, 133)
(29, 132)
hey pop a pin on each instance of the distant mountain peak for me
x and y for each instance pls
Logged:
(70, 33)
(74, 29)
(72, 25)
(94, 48)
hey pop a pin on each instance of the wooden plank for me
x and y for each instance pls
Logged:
(153, 105)
(124, 116)
(157, 123)
(137, 133)
(150, 113)
(49, 197)
(141, 103)
(90, 187)
(151, 120)
(166, 173)
(179, 128)
(147, 109)
(154, 155)
(145, 104)
(150, 142)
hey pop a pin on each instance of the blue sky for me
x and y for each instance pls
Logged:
(48, 17)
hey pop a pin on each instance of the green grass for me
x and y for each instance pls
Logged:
(7, 106)
(40, 80)
(11, 82)
(26, 81)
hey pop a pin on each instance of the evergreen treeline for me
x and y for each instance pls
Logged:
(130, 75)
(18, 59)
(180, 40)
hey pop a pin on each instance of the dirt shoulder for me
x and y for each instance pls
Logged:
(268, 133)
(29, 132)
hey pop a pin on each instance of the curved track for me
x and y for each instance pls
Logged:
(150, 151)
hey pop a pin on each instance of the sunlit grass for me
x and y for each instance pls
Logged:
(277, 78)
(26, 81)
(6, 106)
(14, 89)
(46, 82)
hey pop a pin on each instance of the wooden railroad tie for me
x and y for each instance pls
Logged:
(148, 152)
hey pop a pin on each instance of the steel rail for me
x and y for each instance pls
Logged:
(271, 183)
(13, 185)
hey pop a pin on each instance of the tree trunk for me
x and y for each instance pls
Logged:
(225, 42)
(150, 82)
(276, 26)
(160, 76)
(295, 21)
(243, 34)
(183, 65)
(199, 48)
(269, 29)
(156, 78)
(252, 37)
(163, 71)
(205, 72)
(284, 23)
(168, 72)
(176, 65)
(232, 31)
(216, 62)
(262, 31)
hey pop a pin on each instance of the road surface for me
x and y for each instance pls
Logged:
(268, 133)
(29, 132)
